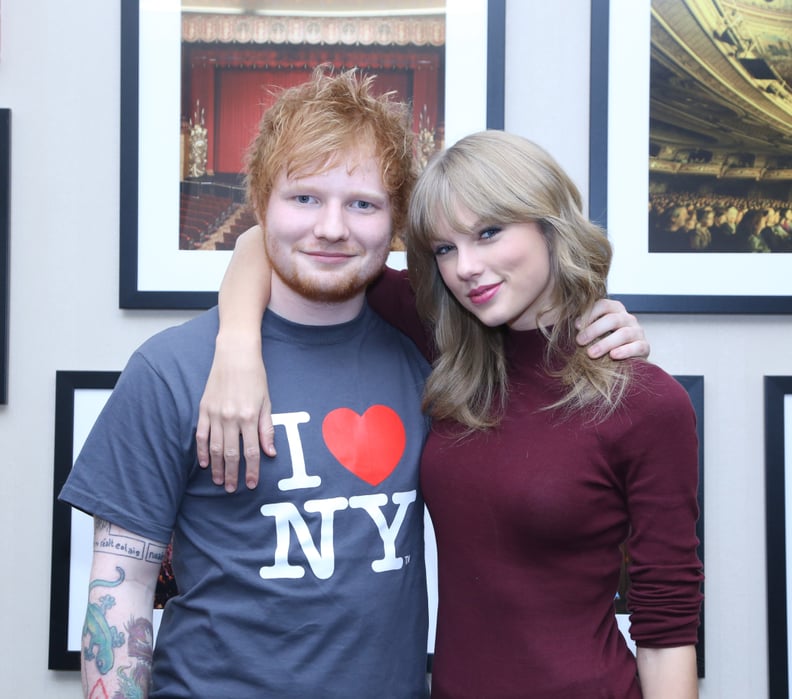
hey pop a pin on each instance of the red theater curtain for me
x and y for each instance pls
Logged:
(237, 91)
(242, 97)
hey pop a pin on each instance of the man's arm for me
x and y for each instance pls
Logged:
(668, 673)
(609, 329)
(118, 637)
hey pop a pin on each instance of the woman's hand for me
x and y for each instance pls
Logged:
(235, 409)
(616, 332)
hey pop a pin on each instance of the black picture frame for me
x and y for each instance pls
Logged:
(68, 415)
(599, 153)
(132, 293)
(5, 265)
(778, 472)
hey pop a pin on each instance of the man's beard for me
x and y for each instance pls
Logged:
(337, 288)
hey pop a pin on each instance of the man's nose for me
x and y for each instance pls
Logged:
(331, 223)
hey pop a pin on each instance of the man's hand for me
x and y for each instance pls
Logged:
(609, 329)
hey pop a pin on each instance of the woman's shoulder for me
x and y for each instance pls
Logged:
(655, 415)
(654, 389)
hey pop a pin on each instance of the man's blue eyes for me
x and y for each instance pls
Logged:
(359, 204)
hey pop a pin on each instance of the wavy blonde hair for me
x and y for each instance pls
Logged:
(502, 179)
(326, 120)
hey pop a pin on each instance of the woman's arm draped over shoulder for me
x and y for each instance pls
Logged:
(236, 399)
(118, 636)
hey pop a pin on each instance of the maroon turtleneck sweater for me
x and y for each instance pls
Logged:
(529, 518)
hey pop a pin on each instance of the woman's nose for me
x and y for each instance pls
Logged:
(468, 262)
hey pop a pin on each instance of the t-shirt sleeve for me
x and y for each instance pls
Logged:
(392, 298)
(132, 470)
(659, 451)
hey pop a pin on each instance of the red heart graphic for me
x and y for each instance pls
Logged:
(370, 445)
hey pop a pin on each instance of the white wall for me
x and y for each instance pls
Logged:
(59, 74)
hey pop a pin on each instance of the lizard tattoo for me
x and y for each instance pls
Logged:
(102, 637)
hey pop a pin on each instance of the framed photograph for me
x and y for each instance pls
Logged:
(690, 156)
(5, 266)
(694, 385)
(193, 85)
(778, 504)
(79, 398)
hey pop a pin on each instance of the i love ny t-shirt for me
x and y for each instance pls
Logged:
(313, 583)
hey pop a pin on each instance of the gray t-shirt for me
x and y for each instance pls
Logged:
(312, 584)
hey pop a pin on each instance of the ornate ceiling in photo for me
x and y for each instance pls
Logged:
(721, 98)
(316, 7)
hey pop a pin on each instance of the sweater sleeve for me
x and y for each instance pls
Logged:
(392, 298)
(659, 451)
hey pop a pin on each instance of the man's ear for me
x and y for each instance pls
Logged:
(397, 242)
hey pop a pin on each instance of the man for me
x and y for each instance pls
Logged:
(671, 233)
(724, 234)
(774, 235)
(312, 583)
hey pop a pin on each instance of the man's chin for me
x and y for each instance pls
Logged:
(328, 291)
(328, 285)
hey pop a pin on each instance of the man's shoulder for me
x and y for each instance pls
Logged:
(179, 350)
(194, 332)
(394, 339)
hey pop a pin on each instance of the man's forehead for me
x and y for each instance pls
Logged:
(351, 159)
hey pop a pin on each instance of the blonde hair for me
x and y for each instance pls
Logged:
(501, 179)
(327, 119)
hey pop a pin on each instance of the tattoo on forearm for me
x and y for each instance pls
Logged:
(106, 540)
(122, 656)
(98, 690)
(99, 638)
(134, 678)
(100, 641)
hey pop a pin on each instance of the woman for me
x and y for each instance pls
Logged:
(566, 455)
(542, 461)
